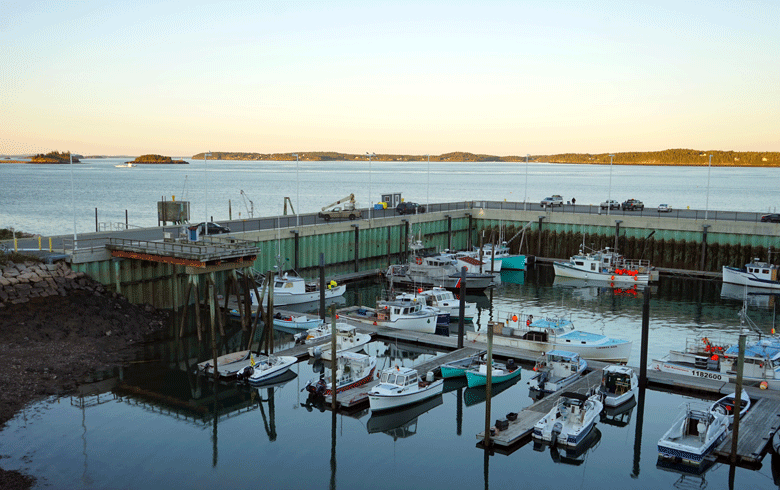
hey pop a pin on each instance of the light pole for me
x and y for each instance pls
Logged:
(428, 191)
(297, 192)
(370, 155)
(707, 202)
(73, 200)
(609, 193)
(525, 197)
(206, 190)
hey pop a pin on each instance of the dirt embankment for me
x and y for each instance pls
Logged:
(52, 340)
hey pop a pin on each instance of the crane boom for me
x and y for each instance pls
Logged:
(350, 202)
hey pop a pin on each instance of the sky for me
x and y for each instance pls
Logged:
(401, 77)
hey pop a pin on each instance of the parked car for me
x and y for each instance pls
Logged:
(611, 204)
(214, 228)
(554, 200)
(664, 208)
(632, 205)
(770, 218)
(407, 207)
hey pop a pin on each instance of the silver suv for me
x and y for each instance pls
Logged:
(552, 201)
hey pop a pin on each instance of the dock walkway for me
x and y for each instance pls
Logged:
(756, 429)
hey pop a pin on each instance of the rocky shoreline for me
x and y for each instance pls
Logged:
(58, 327)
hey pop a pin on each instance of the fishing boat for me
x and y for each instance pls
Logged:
(293, 323)
(755, 274)
(693, 435)
(606, 265)
(458, 367)
(703, 358)
(435, 269)
(442, 317)
(395, 314)
(228, 365)
(545, 334)
(400, 386)
(445, 300)
(498, 374)
(502, 258)
(125, 165)
(353, 370)
(265, 368)
(728, 405)
(348, 339)
(570, 420)
(291, 290)
(555, 370)
(618, 384)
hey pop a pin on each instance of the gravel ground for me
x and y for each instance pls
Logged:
(48, 345)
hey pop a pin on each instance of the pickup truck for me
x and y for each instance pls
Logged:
(552, 201)
(611, 204)
(632, 205)
(339, 213)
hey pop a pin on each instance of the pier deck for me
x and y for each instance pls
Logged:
(756, 429)
(528, 417)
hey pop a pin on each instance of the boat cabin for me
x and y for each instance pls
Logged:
(393, 309)
(562, 363)
(762, 360)
(762, 270)
(616, 380)
(401, 376)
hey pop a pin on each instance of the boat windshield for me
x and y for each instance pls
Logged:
(393, 379)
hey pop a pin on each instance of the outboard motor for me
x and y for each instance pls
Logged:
(510, 364)
(556, 431)
(245, 373)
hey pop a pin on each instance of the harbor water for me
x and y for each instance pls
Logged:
(154, 424)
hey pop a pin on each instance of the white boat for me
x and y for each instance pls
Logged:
(352, 370)
(605, 265)
(125, 165)
(756, 274)
(545, 334)
(399, 386)
(471, 261)
(703, 358)
(499, 373)
(502, 259)
(693, 435)
(438, 269)
(727, 405)
(348, 339)
(291, 290)
(228, 365)
(396, 314)
(264, 368)
(618, 384)
(557, 369)
(445, 300)
(443, 318)
(570, 420)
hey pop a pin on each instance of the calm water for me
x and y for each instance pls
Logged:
(164, 434)
(41, 198)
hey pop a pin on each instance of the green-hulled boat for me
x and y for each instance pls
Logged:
(454, 369)
(500, 373)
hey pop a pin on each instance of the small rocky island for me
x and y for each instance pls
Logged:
(156, 160)
(53, 157)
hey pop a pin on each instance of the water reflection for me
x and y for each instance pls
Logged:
(755, 297)
(574, 456)
(400, 424)
(619, 416)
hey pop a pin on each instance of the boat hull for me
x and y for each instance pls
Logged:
(565, 270)
(513, 263)
(284, 363)
(679, 368)
(379, 402)
(733, 275)
(613, 352)
(474, 378)
(282, 299)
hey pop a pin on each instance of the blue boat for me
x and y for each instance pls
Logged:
(500, 373)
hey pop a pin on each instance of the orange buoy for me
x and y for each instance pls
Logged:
(514, 318)
(764, 385)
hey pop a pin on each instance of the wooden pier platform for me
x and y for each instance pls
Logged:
(521, 428)
(356, 396)
(756, 429)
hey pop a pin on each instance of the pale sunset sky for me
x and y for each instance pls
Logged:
(405, 77)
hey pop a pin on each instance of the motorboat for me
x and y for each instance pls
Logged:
(545, 334)
(693, 435)
(293, 322)
(605, 265)
(728, 405)
(352, 370)
(755, 274)
(445, 300)
(570, 419)
(442, 317)
(265, 368)
(498, 373)
(458, 367)
(400, 386)
(228, 365)
(291, 290)
(400, 315)
(125, 165)
(435, 269)
(555, 370)
(618, 384)
(348, 339)
(705, 358)
(502, 258)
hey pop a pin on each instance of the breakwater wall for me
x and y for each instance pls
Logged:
(21, 282)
